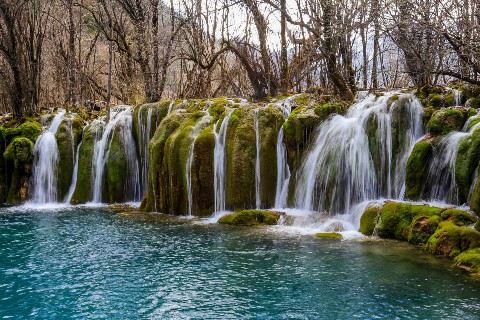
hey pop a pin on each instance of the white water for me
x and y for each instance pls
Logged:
(338, 171)
(45, 163)
(145, 126)
(258, 201)
(220, 162)
(195, 132)
(73, 186)
(283, 170)
(458, 97)
(120, 120)
(170, 107)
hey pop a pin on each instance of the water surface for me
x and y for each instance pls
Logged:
(87, 263)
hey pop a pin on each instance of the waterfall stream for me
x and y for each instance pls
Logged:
(340, 170)
(258, 200)
(283, 171)
(71, 190)
(145, 136)
(121, 120)
(220, 162)
(45, 163)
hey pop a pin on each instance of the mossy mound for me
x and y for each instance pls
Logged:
(417, 169)
(459, 217)
(368, 221)
(68, 137)
(83, 190)
(20, 153)
(251, 218)
(447, 120)
(329, 235)
(241, 154)
(469, 260)
(397, 220)
(450, 239)
(468, 157)
(30, 130)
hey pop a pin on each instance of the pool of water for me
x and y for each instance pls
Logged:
(87, 263)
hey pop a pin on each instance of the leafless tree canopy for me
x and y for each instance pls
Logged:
(75, 52)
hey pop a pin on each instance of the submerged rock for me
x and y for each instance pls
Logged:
(251, 218)
(329, 235)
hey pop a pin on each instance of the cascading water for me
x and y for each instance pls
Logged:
(283, 171)
(45, 163)
(170, 107)
(145, 136)
(195, 132)
(220, 162)
(458, 97)
(121, 120)
(71, 190)
(258, 200)
(341, 170)
(441, 172)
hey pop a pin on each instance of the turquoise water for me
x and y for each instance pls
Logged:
(90, 264)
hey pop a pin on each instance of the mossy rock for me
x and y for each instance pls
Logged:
(435, 100)
(477, 225)
(472, 123)
(396, 220)
(417, 169)
(469, 260)
(20, 150)
(203, 173)
(450, 239)
(251, 218)
(467, 161)
(459, 217)
(473, 102)
(329, 235)
(241, 154)
(68, 137)
(422, 228)
(368, 221)
(30, 130)
(83, 191)
(427, 115)
(449, 100)
(447, 120)
(334, 107)
(20, 153)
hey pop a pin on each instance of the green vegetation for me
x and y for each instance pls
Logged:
(416, 172)
(368, 221)
(251, 218)
(329, 235)
(447, 120)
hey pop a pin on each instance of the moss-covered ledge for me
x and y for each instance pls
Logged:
(446, 232)
(251, 218)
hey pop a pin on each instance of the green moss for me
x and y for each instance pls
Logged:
(368, 221)
(241, 154)
(447, 120)
(435, 100)
(251, 218)
(20, 150)
(422, 228)
(467, 161)
(396, 220)
(417, 169)
(203, 173)
(449, 100)
(469, 260)
(427, 114)
(459, 217)
(30, 130)
(450, 239)
(473, 103)
(329, 235)
(329, 108)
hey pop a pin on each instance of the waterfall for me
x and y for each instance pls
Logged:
(196, 130)
(45, 153)
(121, 119)
(258, 201)
(170, 107)
(339, 171)
(458, 97)
(283, 171)
(73, 186)
(220, 163)
(145, 136)
(441, 171)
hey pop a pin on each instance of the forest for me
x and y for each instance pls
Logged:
(86, 53)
